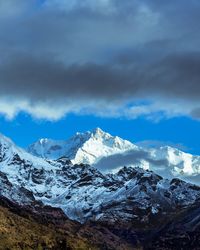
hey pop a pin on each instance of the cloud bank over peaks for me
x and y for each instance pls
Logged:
(106, 58)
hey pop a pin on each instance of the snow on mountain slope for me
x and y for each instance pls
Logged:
(9, 152)
(178, 163)
(99, 148)
(125, 196)
(85, 148)
(84, 193)
(23, 169)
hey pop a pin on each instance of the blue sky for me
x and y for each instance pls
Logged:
(131, 67)
(178, 132)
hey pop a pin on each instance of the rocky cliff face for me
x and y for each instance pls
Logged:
(181, 232)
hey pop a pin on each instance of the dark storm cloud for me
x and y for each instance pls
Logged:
(177, 76)
(112, 52)
(130, 158)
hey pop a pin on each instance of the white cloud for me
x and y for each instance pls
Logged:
(55, 111)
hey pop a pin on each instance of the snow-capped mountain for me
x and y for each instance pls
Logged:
(84, 193)
(107, 152)
(178, 163)
(87, 148)
(131, 195)
(21, 169)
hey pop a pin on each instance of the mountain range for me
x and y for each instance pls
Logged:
(103, 185)
(108, 153)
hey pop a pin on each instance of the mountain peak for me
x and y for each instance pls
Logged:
(98, 131)
(44, 141)
(85, 147)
